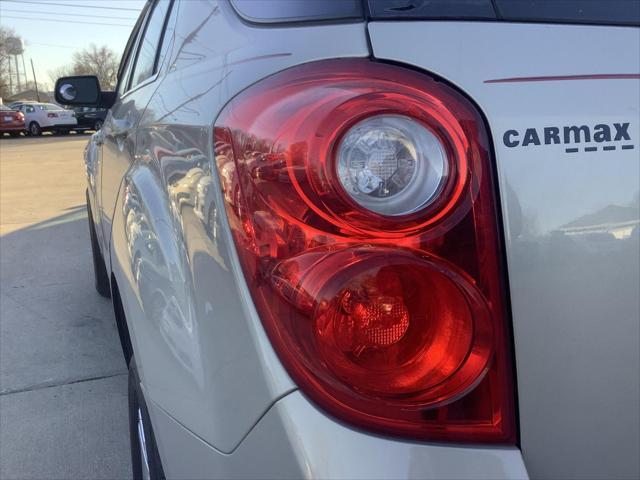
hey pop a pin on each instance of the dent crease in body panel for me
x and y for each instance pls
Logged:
(200, 347)
(318, 447)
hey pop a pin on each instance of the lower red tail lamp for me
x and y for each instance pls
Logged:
(400, 326)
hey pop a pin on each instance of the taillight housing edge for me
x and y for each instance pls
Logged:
(395, 324)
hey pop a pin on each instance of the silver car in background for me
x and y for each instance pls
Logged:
(374, 238)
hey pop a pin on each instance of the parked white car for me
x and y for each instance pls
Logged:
(346, 241)
(42, 117)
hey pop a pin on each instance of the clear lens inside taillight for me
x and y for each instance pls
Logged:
(391, 165)
(361, 201)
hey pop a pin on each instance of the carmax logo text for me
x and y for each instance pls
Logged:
(601, 133)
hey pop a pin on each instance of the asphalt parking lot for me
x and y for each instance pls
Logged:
(63, 381)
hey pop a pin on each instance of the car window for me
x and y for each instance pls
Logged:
(168, 34)
(125, 75)
(148, 47)
(598, 12)
(604, 12)
(124, 71)
(29, 109)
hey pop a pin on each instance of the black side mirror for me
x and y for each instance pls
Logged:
(79, 91)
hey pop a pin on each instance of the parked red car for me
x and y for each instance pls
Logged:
(11, 121)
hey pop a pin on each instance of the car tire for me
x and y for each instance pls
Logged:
(101, 276)
(35, 130)
(98, 125)
(145, 458)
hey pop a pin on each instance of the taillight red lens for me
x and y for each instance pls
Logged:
(389, 321)
(387, 310)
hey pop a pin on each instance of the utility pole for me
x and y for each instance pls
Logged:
(35, 80)
(15, 57)
(10, 78)
(24, 70)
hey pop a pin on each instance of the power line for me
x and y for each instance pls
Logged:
(49, 45)
(65, 14)
(74, 5)
(67, 21)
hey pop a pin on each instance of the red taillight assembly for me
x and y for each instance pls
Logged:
(52, 115)
(361, 201)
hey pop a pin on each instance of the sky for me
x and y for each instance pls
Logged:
(53, 29)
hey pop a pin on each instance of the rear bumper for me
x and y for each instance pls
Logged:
(16, 127)
(294, 439)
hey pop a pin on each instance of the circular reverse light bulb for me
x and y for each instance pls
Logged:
(391, 165)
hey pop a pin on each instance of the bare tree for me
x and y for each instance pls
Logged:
(99, 61)
(4, 61)
(56, 73)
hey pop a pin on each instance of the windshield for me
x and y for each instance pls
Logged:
(49, 106)
(4, 108)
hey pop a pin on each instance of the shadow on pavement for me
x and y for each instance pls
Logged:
(63, 383)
